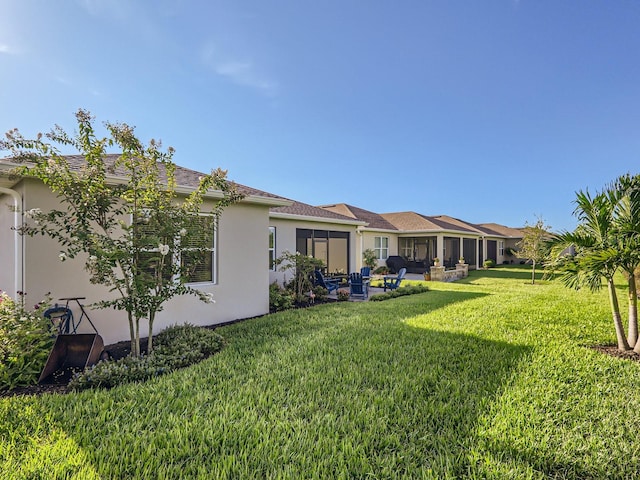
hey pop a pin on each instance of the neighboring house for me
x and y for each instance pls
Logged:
(507, 238)
(418, 238)
(239, 276)
(376, 233)
(316, 232)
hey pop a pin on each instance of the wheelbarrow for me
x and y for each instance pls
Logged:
(71, 350)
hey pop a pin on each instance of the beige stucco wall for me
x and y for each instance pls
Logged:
(241, 290)
(286, 241)
(368, 241)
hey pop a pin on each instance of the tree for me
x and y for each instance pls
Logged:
(303, 268)
(369, 258)
(534, 245)
(624, 194)
(139, 238)
(605, 240)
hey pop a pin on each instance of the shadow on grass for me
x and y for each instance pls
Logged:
(339, 391)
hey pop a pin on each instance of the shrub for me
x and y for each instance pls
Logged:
(400, 292)
(280, 298)
(381, 270)
(343, 295)
(320, 293)
(25, 341)
(176, 347)
(369, 258)
(489, 263)
(302, 267)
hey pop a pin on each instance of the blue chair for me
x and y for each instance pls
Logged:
(358, 286)
(365, 271)
(394, 282)
(330, 285)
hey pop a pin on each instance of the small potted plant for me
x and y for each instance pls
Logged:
(461, 260)
(436, 262)
(342, 295)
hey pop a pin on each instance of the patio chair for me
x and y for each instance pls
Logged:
(392, 282)
(358, 286)
(365, 271)
(329, 284)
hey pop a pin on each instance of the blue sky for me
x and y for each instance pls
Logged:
(489, 111)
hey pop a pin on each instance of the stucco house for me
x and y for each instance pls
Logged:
(238, 278)
(250, 236)
(317, 232)
(419, 238)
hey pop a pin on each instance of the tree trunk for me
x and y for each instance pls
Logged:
(615, 311)
(135, 347)
(533, 273)
(152, 316)
(633, 312)
(137, 321)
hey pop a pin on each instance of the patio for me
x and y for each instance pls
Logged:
(373, 290)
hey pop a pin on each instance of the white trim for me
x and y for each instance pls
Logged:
(307, 218)
(18, 254)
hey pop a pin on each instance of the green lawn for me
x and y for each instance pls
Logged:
(485, 378)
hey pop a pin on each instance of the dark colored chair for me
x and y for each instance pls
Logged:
(330, 285)
(394, 282)
(358, 286)
(365, 271)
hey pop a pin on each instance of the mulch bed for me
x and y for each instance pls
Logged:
(614, 352)
(59, 384)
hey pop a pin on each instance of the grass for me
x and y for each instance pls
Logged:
(484, 378)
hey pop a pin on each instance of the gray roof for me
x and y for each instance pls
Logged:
(185, 177)
(305, 210)
(373, 220)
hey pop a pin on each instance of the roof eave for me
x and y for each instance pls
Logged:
(310, 218)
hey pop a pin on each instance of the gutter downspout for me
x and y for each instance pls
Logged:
(18, 249)
(359, 255)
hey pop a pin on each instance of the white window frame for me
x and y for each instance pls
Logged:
(382, 252)
(272, 249)
(501, 247)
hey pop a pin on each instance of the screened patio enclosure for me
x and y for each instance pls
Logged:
(417, 252)
(332, 247)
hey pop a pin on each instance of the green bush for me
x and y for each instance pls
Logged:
(280, 298)
(400, 292)
(177, 346)
(25, 341)
(320, 293)
(489, 263)
(369, 258)
(381, 270)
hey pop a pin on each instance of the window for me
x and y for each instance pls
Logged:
(199, 264)
(197, 258)
(272, 248)
(501, 247)
(381, 247)
(332, 247)
(406, 248)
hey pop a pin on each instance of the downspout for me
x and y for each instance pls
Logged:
(18, 249)
(359, 254)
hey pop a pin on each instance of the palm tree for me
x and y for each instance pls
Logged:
(595, 257)
(624, 194)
